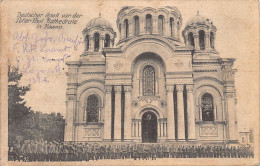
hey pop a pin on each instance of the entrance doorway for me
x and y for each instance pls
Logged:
(149, 127)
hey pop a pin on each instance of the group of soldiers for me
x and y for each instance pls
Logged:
(32, 150)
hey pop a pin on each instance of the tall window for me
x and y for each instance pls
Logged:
(212, 40)
(190, 39)
(136, 25)
(207, 107)
(172, 26)
(148, 81)
(126, 28)
(149, 25)
(87, 42)
(107, 41)
(96, 40)
(160, 24)
(202, 40)
(92, 108)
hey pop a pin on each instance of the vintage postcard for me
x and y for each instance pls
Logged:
(129, 82)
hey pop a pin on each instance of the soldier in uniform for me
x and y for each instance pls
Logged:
(17, 148)
(153, 152)
(159, 151)
(124, 151)
(135, 151)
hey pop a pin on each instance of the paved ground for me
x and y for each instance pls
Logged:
(160, 161)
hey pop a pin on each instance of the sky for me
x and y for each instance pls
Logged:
(236, 37)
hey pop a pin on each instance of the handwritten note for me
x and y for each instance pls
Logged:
(40, 54)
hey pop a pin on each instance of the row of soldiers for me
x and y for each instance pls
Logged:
(32, 150)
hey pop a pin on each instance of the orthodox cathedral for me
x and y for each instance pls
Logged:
(150, 86)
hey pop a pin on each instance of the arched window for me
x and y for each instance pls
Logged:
(126, 28)
(149, 24)
(190, 39)
(136, 25)
(107, 41)
(160, 24)
(172, 26)
(92, 108)
(87, 42)
(212, 40)
(207, 107)
(148, 81)
(96, 40)
(202, 40)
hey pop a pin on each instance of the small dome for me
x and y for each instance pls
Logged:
(199, 19)
(99, 22)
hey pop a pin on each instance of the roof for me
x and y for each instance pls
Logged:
(99, 22)
(199, 19)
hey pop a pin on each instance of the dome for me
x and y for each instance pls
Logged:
(99, 22)
(199, 19)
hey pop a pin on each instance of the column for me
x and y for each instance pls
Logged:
(158, 128)
(170, 107)
(167, 27)
(142, 26)
(127, 119)
(196, 41)
(215, 113)
(180, 112)
(230, 102)
(107, 124)
(101, 42)
(139, 128)
(117, 124)
(131, 27)
(200, 111)
(155, 26)
(164, 128)
(190, 113)
(69, 127)
(207, 41)
(91, 43)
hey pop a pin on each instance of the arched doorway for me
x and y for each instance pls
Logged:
(149, 127)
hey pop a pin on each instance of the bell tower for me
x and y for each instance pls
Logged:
(200, 33)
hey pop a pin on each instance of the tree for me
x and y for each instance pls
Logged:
(17, 109)
(22, 121)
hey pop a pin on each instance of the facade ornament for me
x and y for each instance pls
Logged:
(163, 104)
(118, 65)
(170, 88)
(127, 88)
(134, 103)
(228, 74)
(148, 99)
(118, 89)
(189, 88)
(179, 63)
(179, 88)
(108, 88)
(71, 97)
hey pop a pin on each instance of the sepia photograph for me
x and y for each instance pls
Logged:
(129, 82)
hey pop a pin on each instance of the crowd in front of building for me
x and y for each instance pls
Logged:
(33, 150)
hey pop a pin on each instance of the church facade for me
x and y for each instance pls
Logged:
(150, 86)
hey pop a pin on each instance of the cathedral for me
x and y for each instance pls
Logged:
(150, 87)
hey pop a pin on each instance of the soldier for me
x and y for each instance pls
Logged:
(135, 151)
(153, 152)
(124, 151)
(159, 151)
(34, 150)
(128, 150)
(17, 148)
(146, 152)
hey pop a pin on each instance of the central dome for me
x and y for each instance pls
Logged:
(99, 22)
